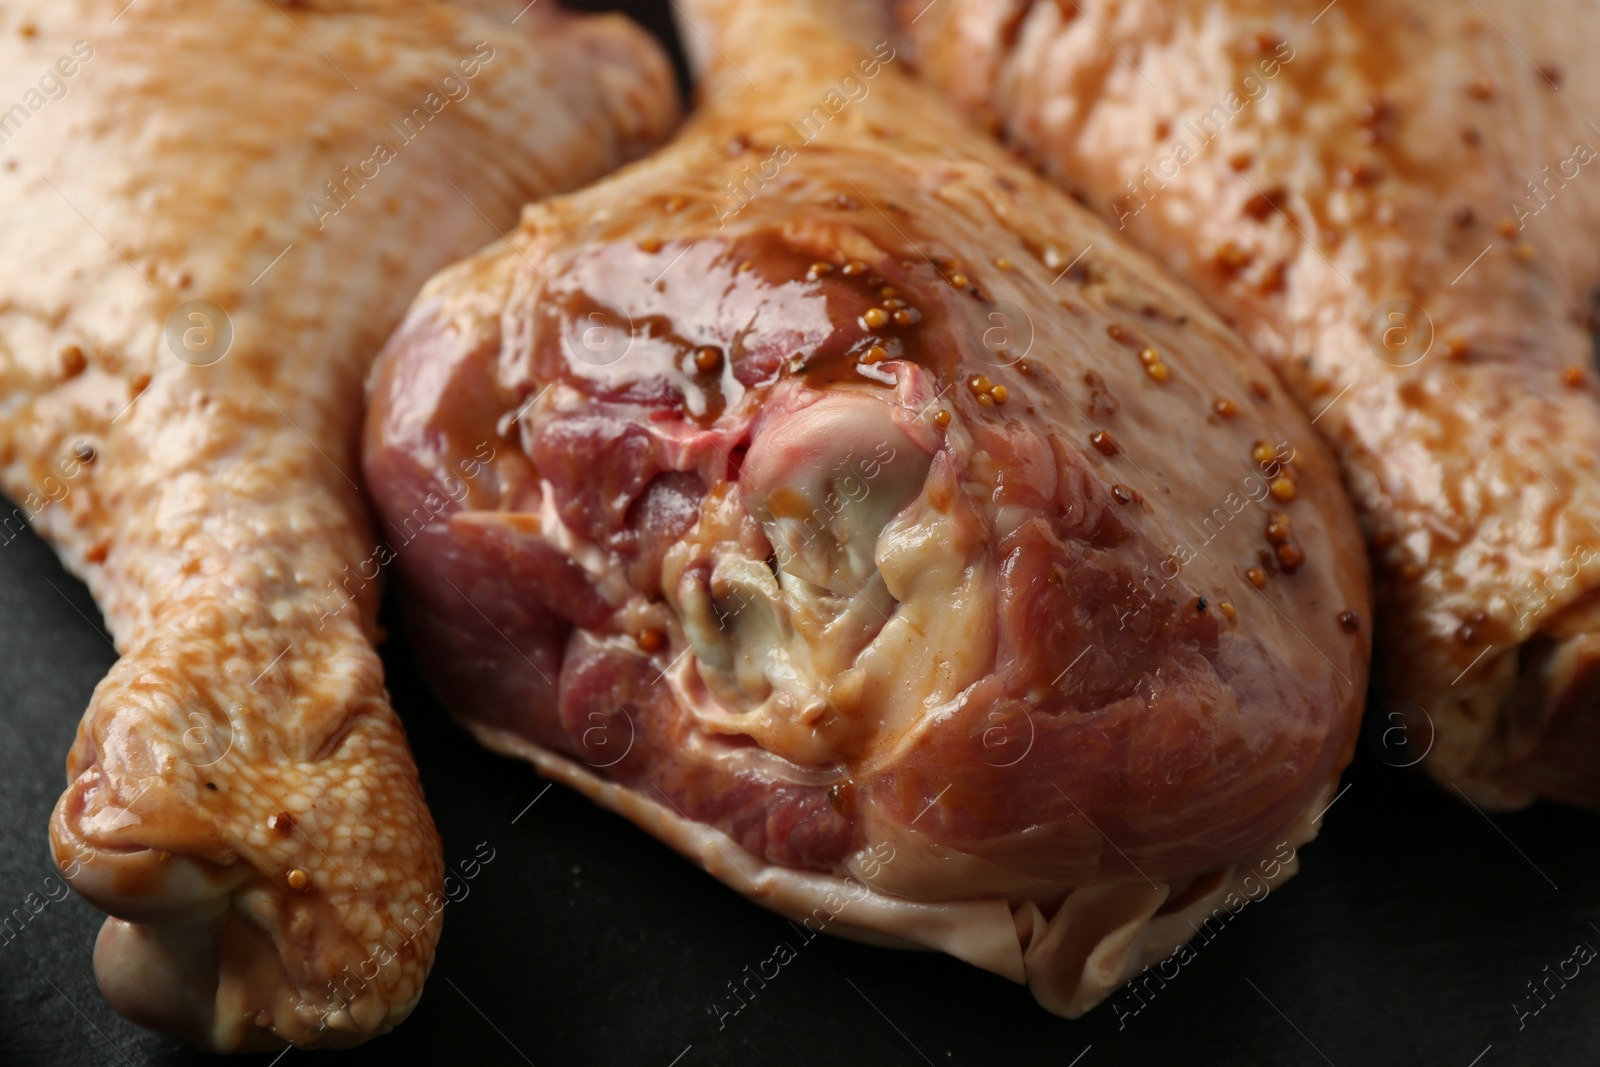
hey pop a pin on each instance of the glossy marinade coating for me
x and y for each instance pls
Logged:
(842, 503)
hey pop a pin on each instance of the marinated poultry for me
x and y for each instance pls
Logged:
(845, 506)
(1393, 202)
(211, 216)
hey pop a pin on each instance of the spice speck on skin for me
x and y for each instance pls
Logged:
(959, 280)
(1279, 529)
(1290, 557)
(1257, 576)
(1104, 443)
(1224, 408)
(1229, 256)
(73, 361)
(1227, 610)
(1573, 377)
(652, 640)
(1481, 88)
(1349, 622)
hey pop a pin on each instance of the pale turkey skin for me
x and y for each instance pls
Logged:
(1338, 158)
(716, 498)
(242, 799)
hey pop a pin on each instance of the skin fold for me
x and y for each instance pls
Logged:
(204, 246)
(1397, 204)
(846, 506)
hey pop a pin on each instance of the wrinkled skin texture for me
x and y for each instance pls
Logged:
(1374, 156)
(677, 497)
(242, 799)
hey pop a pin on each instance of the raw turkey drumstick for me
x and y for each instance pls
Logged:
(211, 214)
(1398, 205)
(844, 505)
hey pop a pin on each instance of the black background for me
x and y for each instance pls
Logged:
(1406, 939)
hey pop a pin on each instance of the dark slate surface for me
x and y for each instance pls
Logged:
(1408, 938)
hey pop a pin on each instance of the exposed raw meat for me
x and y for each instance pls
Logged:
(861, 517)
(242, 800)
(1397, 204)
